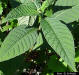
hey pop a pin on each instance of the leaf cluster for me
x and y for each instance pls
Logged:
(36, 32)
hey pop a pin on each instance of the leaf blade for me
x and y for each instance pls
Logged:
(17, 42)
(66, 2)
(26, 9)
(54, 31)
(67, 16)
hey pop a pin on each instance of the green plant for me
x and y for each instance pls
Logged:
(43, 26)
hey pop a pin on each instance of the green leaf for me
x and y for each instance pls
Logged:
(37, 3)
(77, 59)
(15, 3)
(23, 1)
(27, 20)
(13, 66)
(32, 20)
(5, 28)
(39, 41)
(66, 2)
(19, 40)
(1, 73)
(1, 8)
(54, 65)
(23, 20)
(68, 15)
(46, 4)
(77, 56)
(60, 39)
(26, 9)
(49, 13)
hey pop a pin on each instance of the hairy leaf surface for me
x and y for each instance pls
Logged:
(23, 20)
(26, 9)
(67, 16)
(17, 42)
(66, 2)
(60, 39)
